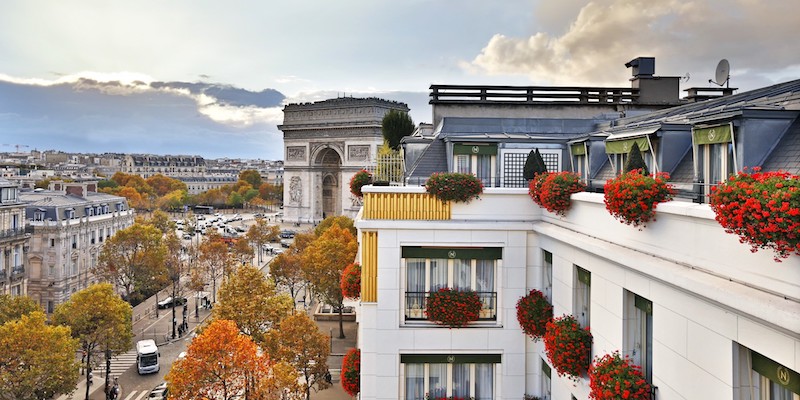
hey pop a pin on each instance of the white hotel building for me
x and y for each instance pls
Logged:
(705, 317)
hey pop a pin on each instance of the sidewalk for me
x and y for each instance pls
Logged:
(338, 349)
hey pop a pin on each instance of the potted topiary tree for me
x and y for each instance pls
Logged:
(534, 165)
(635, 161)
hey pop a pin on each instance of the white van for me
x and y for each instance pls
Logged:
(147, 357)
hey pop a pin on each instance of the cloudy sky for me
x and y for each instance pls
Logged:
(210, 77)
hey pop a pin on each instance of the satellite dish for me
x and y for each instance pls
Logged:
(723, 74)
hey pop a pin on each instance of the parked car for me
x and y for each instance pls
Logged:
(285, 244)
(159, 392)
(168, 303)
(287, 234)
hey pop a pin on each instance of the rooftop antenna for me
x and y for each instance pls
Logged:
(723, 75)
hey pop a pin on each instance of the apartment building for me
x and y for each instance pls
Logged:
(13, 240)
(704, 316)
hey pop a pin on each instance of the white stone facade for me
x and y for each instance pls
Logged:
(713, 301)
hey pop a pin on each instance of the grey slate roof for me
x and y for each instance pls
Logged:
(433, 159)
(513, 128)
(786, 155)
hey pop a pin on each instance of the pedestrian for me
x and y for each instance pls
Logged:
(328, 377)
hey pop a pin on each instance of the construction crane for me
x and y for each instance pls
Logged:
(17, 146)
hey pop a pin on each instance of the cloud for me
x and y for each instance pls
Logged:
(134, 115)
(683, 36)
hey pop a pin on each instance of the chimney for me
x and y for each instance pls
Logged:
(657, 90)
(76, 190)
(642, 67)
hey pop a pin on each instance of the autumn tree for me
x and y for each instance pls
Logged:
(302, 345)
(14, 307)
(133, 259)
(250, 300)
(251, 176)
(100, 320)
(162, 185)
(222, 363)
(262, 233)
(242, 251)
(214, 258)
(286, 269)
(343, 221)
(133, 181)
(323, 263)
(37, 359)
(173, 200)
(135, 199)
(161, 221)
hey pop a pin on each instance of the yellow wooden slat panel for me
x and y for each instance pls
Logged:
(369, 268)
(404, 206)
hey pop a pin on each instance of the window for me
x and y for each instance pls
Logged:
(69, 214)
(476, 159)
(17, 255)
(761, 378)
(513, 163)
(52, 242)
(74, 241)
(715, 157)
(580, 160)
(583, 285)
(74, 267)
(639, 332)
(430, 269)
(547, 275)
(38, 215)
(94, 236)
(460, 375)
(618, 150)
(546, 382)
(51, 270)
(50, 306)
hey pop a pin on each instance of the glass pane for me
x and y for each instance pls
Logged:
(484, 381)
(715, 161)
(462, 274)
(461, 380)
(415, 382)
(438, 274)
(415, 277)
(437, 380)
(485, 169)
(462, 163)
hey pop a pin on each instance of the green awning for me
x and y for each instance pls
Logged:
(463, 253)
(481, 149)
(449, 358)
(578, 149)
(714, 134)
(643, 304)
(624, 146)
(776, 372)
(584, 276)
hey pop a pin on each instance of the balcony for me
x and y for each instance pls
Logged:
(10, 234)
(17, 273)
(3, 276)
(416, 304)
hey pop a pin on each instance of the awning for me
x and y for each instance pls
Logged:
(482, 149)
(619, 143)
(714, 134)
(578, 149)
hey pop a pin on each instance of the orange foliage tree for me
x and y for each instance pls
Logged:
(222, 363)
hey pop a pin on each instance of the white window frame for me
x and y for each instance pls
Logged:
(582, 298)
(449, 378)
(639, 333)
(547, 275)
(417, 315)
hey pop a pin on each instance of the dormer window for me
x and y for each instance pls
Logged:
(477, 159)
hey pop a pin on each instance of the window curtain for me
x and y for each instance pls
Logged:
(462, 164)
(548, 279)
(438, 274)
(415, 381)
(437, 380)
(415, 282)
(483, 381)
(461, 380)
(485, 169)
(462, 274)
(484, 275)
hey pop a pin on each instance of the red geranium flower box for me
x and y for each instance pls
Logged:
(632, 197)
(552, 191)
(351, 372)
(613, 377)
(763, 209)
(453, 308)
(568, 346)
(533, 314)
(454, 186)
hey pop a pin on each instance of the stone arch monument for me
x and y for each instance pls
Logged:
(325, 143)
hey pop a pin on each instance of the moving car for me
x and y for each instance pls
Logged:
(168, 303)
(159, 392)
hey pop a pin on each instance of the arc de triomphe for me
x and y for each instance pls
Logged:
(325, 143)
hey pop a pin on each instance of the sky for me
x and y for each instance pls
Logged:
(210, 78)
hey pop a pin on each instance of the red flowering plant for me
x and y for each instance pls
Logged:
(614, 377)
(533, 314)
(632, 197)
(763, 208)
(350, 281)
(552, 190)
(568, 346)
(455, 187)
(453, 308)
(358, 180)
(351, 371)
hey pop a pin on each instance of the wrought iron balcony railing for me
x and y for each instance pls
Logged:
(416, 304)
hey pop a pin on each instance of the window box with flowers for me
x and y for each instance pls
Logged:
(568, 346)
(358, 180)
(763, 209)
(632, 197)
(351, 371)
(552, 191)
(350, 282)
(454, 186)
(614, 377)
(453, 308)
(533, 314)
